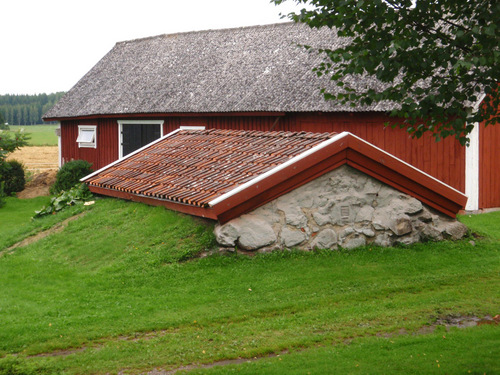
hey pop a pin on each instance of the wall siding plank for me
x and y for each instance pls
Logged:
(489, 166)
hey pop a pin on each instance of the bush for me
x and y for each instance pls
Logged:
(12, 175)
(69, 175)
(2, 195)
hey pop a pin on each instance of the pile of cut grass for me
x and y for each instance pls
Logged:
(113, 292)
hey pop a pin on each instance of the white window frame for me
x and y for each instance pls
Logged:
(82, 128)
(141, 122)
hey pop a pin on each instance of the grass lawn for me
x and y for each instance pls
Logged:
(16, 223)
(41, 135)
(117, 291)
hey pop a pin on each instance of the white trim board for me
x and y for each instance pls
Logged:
(472, 170)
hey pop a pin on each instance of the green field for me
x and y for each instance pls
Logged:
(41, 135)
(118, 290)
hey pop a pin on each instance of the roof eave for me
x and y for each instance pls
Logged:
(161, 115)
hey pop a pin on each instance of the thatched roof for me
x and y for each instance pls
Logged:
(250, 69)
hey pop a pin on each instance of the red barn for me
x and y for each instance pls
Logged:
(252, 78)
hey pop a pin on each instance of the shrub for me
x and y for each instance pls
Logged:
(69, 175)
(2, 195)
(12, 175)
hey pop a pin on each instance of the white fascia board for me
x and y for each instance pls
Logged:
(312, 151)
(129, 155)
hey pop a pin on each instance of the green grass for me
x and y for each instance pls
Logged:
(484, 224)
(16, 223)
(437, 353)
(41, 135)
(115, 287)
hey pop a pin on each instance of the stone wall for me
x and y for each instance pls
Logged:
(345, 208)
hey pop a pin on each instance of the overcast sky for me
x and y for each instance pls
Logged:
(48, 45)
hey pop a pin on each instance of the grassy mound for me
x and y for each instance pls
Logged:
(112, 293)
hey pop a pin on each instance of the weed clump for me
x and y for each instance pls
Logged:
(78, 194)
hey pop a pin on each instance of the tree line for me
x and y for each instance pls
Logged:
(26, 109)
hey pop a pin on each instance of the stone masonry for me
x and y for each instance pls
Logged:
(343, 208)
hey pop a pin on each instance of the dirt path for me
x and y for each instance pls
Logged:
(55, 229)
(37, 158)
(447, 322)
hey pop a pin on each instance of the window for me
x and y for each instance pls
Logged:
(87, 136)
(135, 134)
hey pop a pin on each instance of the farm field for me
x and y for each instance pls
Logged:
(120, 290)
(37, 158)
(41, 154)
(41, 135)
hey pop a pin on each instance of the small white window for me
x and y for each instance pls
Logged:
(87, 136)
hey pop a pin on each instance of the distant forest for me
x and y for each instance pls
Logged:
(26, 109)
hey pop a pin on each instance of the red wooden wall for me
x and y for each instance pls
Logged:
(489, 166)
(444, 160)
(107, 142)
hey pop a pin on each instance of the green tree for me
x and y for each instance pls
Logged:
(27, 109)
(436, 58)
(10, 142)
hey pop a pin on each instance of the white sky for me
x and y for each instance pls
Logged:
(48, 45)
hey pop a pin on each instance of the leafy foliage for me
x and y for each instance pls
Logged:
(435, 58)
(12, 175)
(3, 126)
(2, 195)
(76, 195)
(70, 174)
